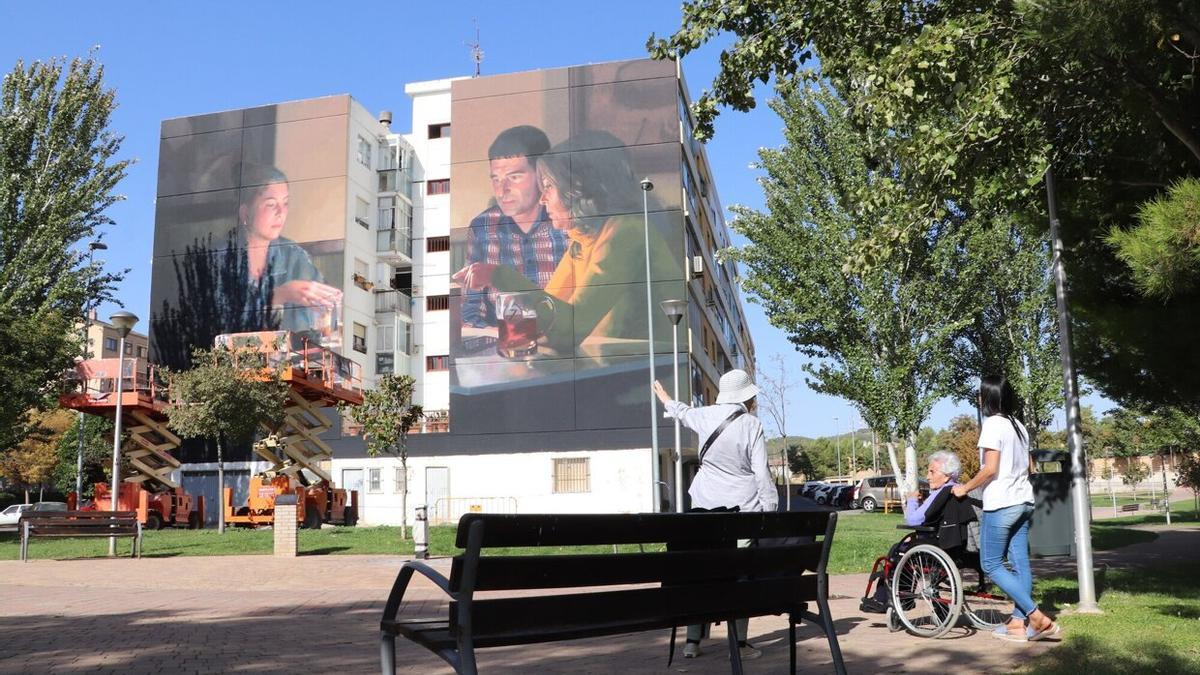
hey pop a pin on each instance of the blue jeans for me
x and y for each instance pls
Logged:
(1006, 535)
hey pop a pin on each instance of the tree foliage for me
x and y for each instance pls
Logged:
(97, 454)
(33, 461)
(961, 438)
(974, 100)
(1163, 250)
(1188, 475)
(58, 173)
(226, 396)
(385, 417)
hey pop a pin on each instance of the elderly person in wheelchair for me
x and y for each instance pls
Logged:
(918, 584)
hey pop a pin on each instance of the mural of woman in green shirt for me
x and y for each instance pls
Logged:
(279, 272)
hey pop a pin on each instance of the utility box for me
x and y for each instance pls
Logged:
(1052, 527)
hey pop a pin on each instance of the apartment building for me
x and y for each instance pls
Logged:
(382, 223)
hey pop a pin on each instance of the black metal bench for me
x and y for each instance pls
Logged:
(700, 578)
(1125, 508)
(81, 524)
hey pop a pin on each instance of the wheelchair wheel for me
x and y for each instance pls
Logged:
(985, 611)
(927, 593)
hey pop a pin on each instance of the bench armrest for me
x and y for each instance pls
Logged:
(396, 597)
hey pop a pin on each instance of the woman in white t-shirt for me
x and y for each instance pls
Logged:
(1007, 505)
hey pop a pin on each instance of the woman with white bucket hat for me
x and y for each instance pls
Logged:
(733, 473)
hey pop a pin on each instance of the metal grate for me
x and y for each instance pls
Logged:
(572, 474)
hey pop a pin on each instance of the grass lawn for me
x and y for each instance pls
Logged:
(860, 539)
(1182, 511)
(1151, 623)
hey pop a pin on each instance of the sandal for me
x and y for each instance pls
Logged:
(1050, 631)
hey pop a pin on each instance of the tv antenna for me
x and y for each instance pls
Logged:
(476, 50)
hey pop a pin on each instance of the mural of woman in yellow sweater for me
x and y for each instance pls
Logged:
(596, 292)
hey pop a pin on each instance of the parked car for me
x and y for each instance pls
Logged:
(871, 492)
(12, 514)
(809, 490)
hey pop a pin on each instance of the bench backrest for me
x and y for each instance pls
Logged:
(701, 575)
(80, 522)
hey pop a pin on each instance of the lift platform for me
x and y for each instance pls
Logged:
(149, 489)
(317, 378)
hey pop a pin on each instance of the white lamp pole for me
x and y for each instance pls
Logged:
(123, 322)
(656, 478)
(674, 310)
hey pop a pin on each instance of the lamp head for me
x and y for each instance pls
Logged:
(674, 309)
(647, 185)
(123, 322)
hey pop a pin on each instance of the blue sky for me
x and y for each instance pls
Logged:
(172, 59)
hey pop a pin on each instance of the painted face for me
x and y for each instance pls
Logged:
(514, 185)
(560, 216)
(266, 215)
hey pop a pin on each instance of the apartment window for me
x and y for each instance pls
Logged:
(128, 349)
(374, 480)
(435, 363)
(385, 338)
(364, 152)
(572, 474)
(385, 363)
(437, 244)
(399, 485)
(439, 130)
(110, 344)
(440, 186)
(362, 212)
(360, 338)
(361, 270)
(436, 303)
(141, 352)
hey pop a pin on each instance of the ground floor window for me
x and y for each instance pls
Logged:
(572, 474)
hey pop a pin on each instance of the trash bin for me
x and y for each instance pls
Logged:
(1052, 527)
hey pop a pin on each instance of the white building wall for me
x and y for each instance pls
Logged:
(507, 483)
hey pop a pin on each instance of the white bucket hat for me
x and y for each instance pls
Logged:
(736, 387)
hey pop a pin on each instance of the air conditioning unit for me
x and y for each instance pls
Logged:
(697, 265)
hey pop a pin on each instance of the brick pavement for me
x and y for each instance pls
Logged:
(319, 614)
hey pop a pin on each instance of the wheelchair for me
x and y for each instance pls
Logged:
(925, 590)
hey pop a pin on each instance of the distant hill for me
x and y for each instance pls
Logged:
(848, 437)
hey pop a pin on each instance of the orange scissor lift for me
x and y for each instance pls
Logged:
(149, 490)
(317, 377)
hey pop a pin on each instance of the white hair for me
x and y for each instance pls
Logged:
(949, 462)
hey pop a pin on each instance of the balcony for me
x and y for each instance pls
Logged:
(394, 245)
(395, 180)
(389, 302)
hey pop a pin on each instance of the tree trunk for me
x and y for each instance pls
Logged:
(42, 492)
(910, 461)
(404, 497)
(26, 495)
(220, 486)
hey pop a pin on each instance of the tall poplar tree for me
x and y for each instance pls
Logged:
(58, 175)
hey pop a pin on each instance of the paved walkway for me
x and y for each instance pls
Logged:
(319, 614)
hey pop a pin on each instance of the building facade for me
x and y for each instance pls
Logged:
(498, 253)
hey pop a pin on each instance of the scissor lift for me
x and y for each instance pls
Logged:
(316, 377)
(149, 489)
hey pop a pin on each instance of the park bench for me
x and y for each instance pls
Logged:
(1130, 507)
(700, 578)
(81, 524)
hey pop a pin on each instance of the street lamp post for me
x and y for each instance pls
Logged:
(123, 322)
(87, 322)
(837, 439)
(655, 474)
(674, 310)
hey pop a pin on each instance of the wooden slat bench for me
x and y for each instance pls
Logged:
(701, 578)
(80, 524)
(1130, 507)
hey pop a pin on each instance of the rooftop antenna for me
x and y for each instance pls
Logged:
(476, 50)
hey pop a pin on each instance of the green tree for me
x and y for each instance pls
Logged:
(882, 336)
(800, 463)
(1134, 472)
(961, 437)
(385, 416)
(974, 100)
(58, 174)
(33, 461)
(225, 397)
(1188, 475)
(97, 455)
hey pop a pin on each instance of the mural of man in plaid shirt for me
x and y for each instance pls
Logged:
(514, 230)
